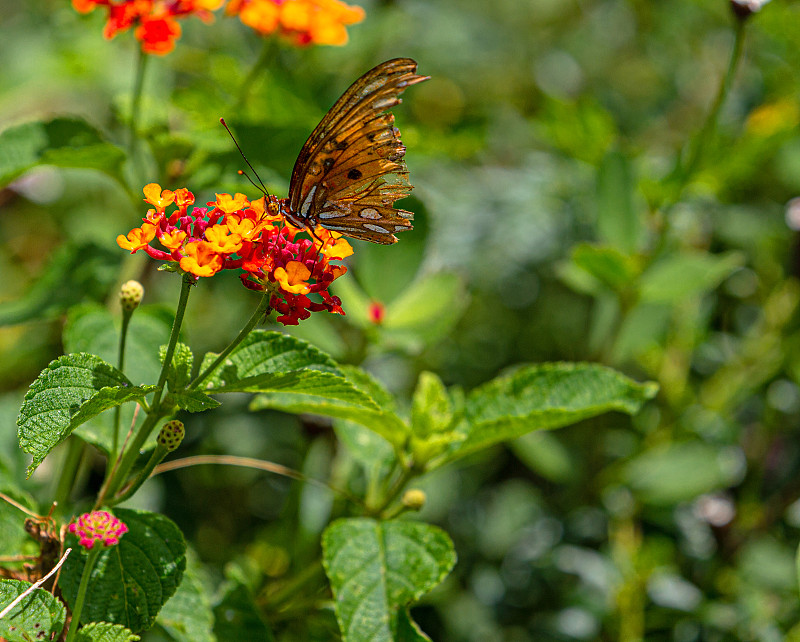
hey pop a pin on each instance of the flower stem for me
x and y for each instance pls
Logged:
(706, 132)
(136, 99)
(68, 469)
(156, 412)
(263, 305)
(94, 553)
(123, 336)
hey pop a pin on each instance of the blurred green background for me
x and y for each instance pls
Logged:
(551, 224)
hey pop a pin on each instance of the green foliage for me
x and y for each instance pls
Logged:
(543, 397)
(64, 142)
(237, 616)
(105, 632)
(377, 569)
(131, 581)
(73, 273)
(187, 616)
(71, 390)
(614, 201)
(38, 614)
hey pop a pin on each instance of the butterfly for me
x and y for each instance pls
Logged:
(351, 170)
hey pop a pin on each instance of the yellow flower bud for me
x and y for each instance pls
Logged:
(414, 498)
(130, 295)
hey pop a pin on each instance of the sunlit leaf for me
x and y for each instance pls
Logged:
(378, 568)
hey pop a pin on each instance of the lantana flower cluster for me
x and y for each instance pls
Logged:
(98, 526)
(233, 233)
(303, 22)
(155, 22)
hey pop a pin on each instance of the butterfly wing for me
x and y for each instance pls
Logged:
(351, 170)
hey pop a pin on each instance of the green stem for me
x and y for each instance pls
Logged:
(94, 553)
(158, 455)
(156, 412)
(136, 99)
(69, 467)
(255, 70)
(710, 125)
(263, 305)
(123, 336)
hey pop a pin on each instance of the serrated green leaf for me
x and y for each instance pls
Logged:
(238, 618)
(355, 402)
(130, 581)
(105, 632)
(607, 264)
(74, 273)
(618, 222)
(64, 142)
(68, 392)
(92, 328)
(680, 276)
(188, 616)
(193, 400)
(359, 409)
(378, 568)
(37, 614)
(541, 397)
(265, 353)
(180, 372)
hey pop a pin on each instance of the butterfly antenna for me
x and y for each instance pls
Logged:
(261, 185)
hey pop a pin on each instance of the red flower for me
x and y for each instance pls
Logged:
(233, 233)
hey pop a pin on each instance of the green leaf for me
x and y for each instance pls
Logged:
(37, 616)
(541, 397)
(194, 400)
(64, 142)
(92, 328)
(105, 632)
(618, 222)
(680, 276)
(271, 361)
(130, 581)
(431, 411)
(72, 274)
(68, 392)
(431, 419)
(378, 568)
(180, 371)
(238, 618)
(363, 401)
(266, 353)
(188, 616)
(607, 264)
(408, 630)
(670, 474)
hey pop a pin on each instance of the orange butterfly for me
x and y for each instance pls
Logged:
(339, 180)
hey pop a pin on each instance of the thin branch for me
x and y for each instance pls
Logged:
(249, 462)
